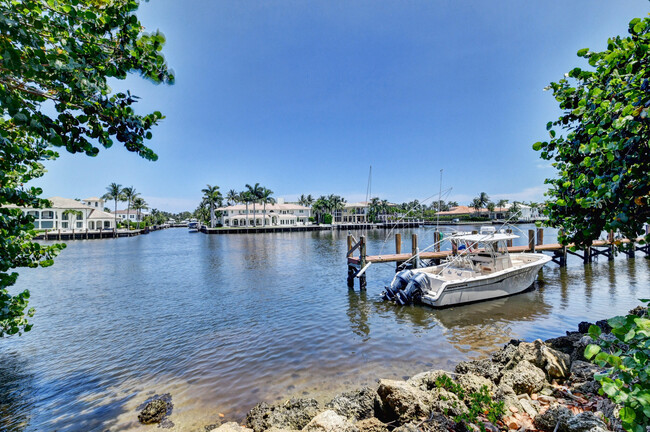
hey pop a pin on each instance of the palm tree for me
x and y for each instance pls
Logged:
(483, 199)
(502, 203)
(212, 197)
(138, 205)
(320, 207)
(232, 196)
(114, 192)
(266, 199)
(246, 197)
(374, 208)
(514, 208)
(255, 194)
(129, 195)
(476, 203)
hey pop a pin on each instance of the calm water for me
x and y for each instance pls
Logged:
(223, 322)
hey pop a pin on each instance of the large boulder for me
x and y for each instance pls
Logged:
(484, 367)
(293, 414)
(525, 378)
(355, 405)
(555, 363)
(402, 401)
(582, 377)
(371, 425)
(329, 421)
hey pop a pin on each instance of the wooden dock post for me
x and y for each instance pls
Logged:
(59, 234)
(362, 261)
(531, 240)
(563, 257)
(509, 231)
(398, 249)
(586, 258)
(610, 240)
(436, 240)
(414, 248)
(349, 242)
(540, 236)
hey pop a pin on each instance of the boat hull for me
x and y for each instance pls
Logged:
(501, 284)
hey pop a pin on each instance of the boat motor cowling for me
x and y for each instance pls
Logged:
(413, 290)
(400, 282)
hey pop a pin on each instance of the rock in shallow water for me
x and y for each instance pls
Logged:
(156, 409)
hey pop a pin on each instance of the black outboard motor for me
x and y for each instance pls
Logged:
(399, 283)
(413, 291)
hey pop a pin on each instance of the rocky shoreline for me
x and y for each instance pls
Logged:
(540, 386)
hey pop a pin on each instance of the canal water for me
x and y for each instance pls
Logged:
(223, 322)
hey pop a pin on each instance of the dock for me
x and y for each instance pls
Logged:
(358, 264)
(86, 234)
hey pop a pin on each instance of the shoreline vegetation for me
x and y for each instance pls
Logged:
(545, 386)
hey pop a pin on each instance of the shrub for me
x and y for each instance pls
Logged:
(627, 379)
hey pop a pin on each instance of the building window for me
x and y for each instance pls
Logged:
(80, 224)
(64, 216)
(47, 215)
(80, 216)
(47, 224)
(107, 224)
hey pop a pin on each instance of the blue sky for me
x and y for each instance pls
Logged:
(303, 96)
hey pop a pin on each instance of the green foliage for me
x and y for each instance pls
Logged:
(479, 404)
(603, 161)
(56, 58)
(327, 218)
(627, 379)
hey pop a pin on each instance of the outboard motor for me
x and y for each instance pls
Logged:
(399, 283)
(413, 291)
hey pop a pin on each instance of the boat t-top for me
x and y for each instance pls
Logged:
(480, 268)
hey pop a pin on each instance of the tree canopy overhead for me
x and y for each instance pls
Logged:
(56, 57)
(603, 158)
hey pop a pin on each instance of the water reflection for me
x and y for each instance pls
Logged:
(223, 322)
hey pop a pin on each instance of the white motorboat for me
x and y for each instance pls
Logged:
(482, 269)
(194, 225)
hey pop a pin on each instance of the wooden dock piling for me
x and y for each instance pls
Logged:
(531, 240)
(414, 249)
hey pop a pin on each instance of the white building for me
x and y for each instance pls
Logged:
(279, 214)
(131, 215)
(69, 214)
(353, 213)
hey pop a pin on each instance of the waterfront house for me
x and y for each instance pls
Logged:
(69, 214)
(353, 213)
(279, 214)
(131, 215)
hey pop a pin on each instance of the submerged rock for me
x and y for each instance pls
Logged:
(293, 414)
(355, 405)
(156, 410)
(640, 311)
